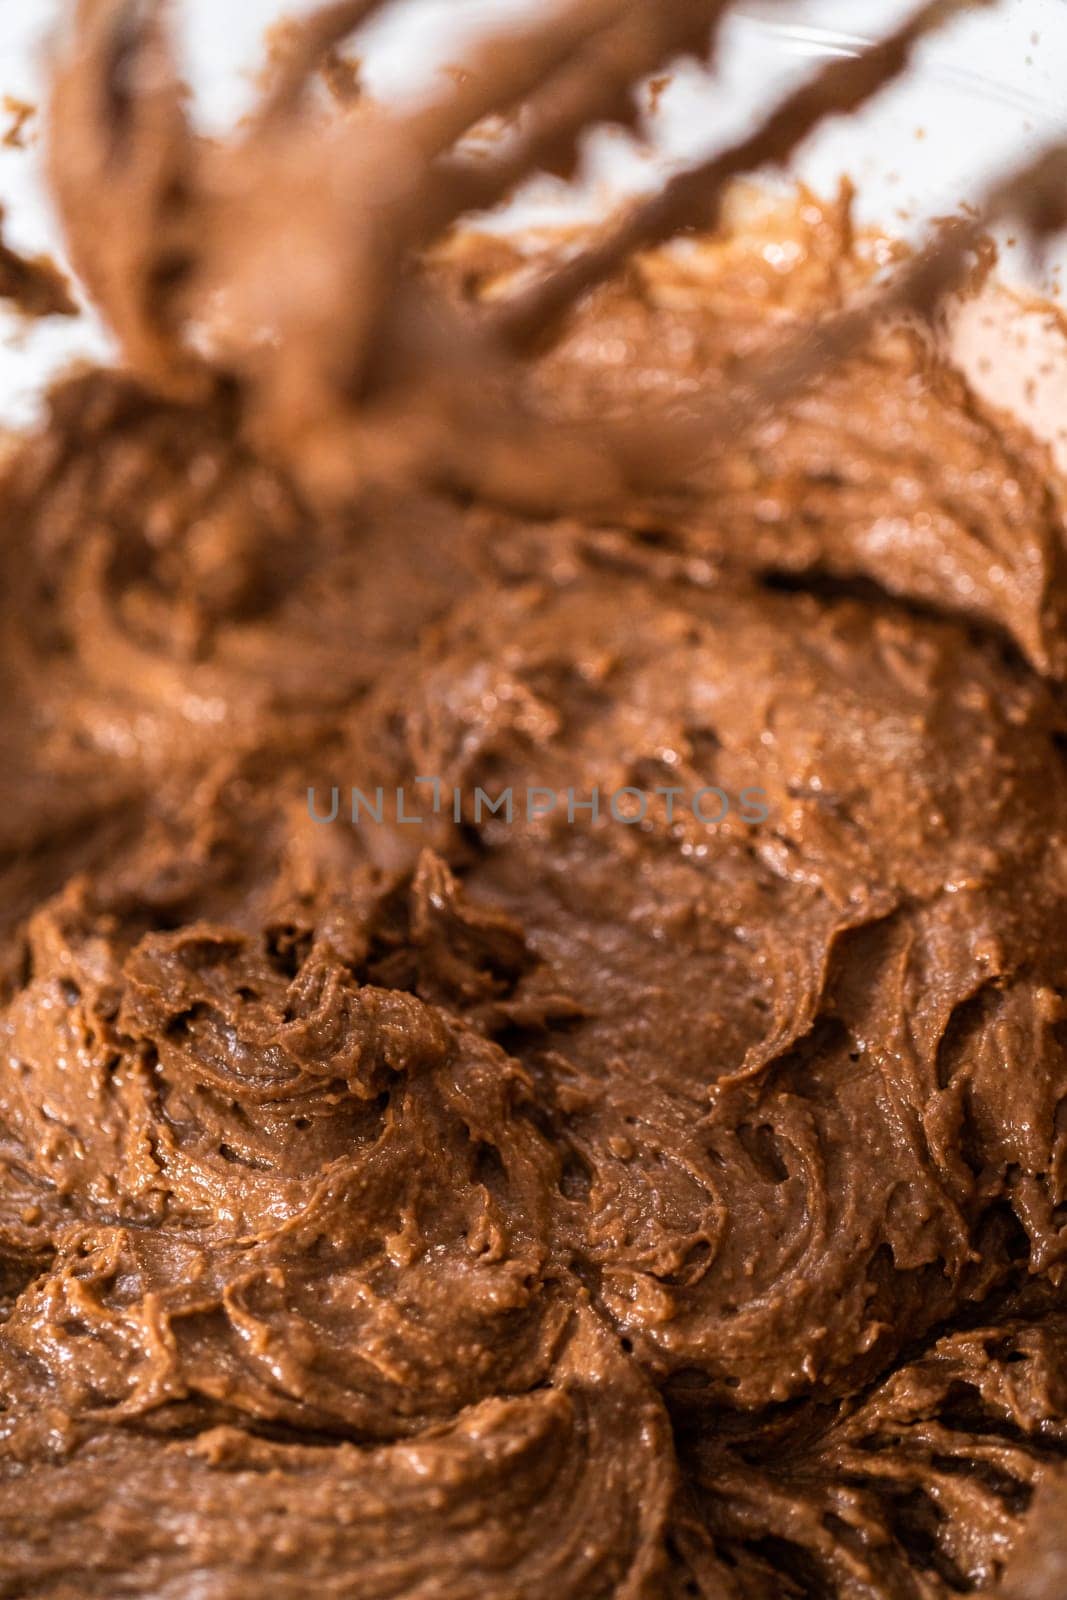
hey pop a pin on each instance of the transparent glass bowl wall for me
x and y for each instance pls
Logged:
(981, 96)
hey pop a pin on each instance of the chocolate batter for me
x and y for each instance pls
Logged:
(33, 285)
(489, 1209)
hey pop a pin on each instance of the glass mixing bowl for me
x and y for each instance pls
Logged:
(982, 95)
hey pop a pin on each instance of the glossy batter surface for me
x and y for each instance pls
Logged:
(574, 1207)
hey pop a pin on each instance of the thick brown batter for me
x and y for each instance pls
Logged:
(566, 1204)
(486, 1210)
(33, 286)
